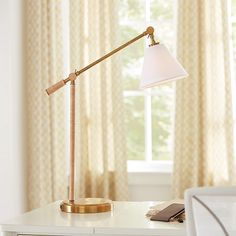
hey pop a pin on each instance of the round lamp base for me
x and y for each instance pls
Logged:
(86, 205)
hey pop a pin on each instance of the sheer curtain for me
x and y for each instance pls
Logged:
(101, 169)
(204, 121)
(101, 157)
(47, 179)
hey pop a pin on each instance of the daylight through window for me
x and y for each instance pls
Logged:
(148, 113)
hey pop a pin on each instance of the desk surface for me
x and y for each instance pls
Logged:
(126, 218)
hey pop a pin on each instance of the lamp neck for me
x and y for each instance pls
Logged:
(153, 42)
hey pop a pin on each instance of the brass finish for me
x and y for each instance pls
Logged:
(153, 42)
(60, 84)
(86, 205)
(149, 31)
(72, 140)
(55, 87)
(72, 77)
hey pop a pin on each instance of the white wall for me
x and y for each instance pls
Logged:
(12, 184)
(150, 181)
(152, 186)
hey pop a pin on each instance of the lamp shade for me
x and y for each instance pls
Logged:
(160, 67)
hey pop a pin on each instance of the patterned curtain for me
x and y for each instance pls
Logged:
(204, 121)
(101, 160)
(47, 179)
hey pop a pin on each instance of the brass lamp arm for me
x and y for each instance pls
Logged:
(149, 31)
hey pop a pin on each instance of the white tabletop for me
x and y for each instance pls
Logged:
(125, 218)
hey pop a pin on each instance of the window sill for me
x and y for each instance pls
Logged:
(150, 174)
(150, 167)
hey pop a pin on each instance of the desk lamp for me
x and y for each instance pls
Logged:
(159, 67)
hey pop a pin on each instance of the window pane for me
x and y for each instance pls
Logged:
(132, 11)
(134, 121)
(162, 113)
(132, 23)
(234, 7)
(162, 18)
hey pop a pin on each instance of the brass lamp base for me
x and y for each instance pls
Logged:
(86, 205)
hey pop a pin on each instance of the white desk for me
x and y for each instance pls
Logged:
(126, 218)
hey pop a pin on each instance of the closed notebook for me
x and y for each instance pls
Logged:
(169, 212)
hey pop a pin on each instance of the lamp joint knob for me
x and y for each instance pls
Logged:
(72, 76)
(150, 30)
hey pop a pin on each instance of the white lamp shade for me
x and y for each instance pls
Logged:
(160, 67)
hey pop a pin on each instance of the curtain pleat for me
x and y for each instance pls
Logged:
(204, 120)
(47, 179)
(101, 158)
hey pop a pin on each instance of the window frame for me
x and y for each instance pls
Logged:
(148, 164)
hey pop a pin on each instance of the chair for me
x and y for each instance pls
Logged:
(210, 211)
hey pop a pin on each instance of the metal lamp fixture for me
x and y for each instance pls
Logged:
(159, 67)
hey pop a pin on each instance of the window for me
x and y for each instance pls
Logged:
(148, 113)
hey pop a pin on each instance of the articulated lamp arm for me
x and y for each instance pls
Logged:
(149, 31)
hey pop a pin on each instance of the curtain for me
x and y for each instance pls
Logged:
(46, 175)
(101, 158)
(204, 121)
